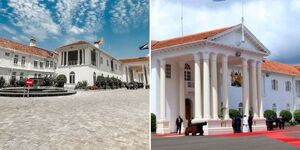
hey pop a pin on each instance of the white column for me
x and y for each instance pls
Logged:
(181, 90)
(224, 85)
(206, 86)
(259, 90)
(253, 88)
(67, 59)
(214, 86)
(198, 104)
(144, 76)
(78, 57)
(127, 73)
(245, 85)
(162, 89)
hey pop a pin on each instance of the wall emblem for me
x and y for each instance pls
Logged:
(236, 79)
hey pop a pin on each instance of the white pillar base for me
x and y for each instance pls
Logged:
(162, 127)
(184, 125)
(259, 124)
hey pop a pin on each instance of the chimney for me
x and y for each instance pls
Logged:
(96, 44)
(32, 42)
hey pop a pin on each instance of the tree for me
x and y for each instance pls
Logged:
(286, 115)
(60, 80)
(2, 82)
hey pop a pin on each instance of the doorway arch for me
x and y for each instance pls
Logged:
(188, 109)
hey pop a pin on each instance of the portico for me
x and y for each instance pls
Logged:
(199, 71)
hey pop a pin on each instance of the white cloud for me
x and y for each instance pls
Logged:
(76, 30)
(127, 13)
(276, 23)
(7, 29)
(34, 19)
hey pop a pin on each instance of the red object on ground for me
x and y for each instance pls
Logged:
(29, 82)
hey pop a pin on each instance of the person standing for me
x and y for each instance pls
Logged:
(245, 124)
(233, 124)
(238, 123)
(178, 124)
(250, 122)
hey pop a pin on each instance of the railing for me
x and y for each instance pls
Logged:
(72, 62)
(189, 84)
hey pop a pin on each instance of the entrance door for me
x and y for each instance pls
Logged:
(188, 109)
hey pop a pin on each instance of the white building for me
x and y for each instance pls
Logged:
(78, 61)
(25, 61)
(136, 70)
(201, 76)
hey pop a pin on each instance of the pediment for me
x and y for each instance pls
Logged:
(233, 37)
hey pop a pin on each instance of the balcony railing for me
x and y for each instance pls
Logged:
(72, 62)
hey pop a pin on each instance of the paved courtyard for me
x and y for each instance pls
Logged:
(114, 119)
(288, 139)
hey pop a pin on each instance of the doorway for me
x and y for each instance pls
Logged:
(188, 109)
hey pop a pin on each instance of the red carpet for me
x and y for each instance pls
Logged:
(287, 139)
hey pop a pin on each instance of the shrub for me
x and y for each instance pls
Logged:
(270, 113)
(2, 82)
(21, 82)
(94, 87)
(233, 113)
(60, 80)
(153, 122)
(48, 81)
(12, 82)
(81, 85)
(297, 115)
(286, 115)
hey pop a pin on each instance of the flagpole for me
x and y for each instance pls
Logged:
(243, 30)
(181, 17)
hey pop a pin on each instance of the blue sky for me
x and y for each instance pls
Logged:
(276, 23)
(124, 24)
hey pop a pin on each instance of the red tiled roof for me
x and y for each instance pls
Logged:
(280, 67)
(129, 60)
(25, 48)
(187, 39)
(75, 43)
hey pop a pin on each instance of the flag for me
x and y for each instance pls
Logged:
(143, 47)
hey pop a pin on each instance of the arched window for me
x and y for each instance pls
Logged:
(94, 77)
(187, 72)
(72, 77)
(241, 108)
(288, 107)
(274, 107)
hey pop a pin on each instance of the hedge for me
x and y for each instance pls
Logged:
(286, 115)
(233, 113)
(153, 122)
(297, 115)
(270, 113)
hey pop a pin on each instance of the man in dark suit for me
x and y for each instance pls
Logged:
(250, 122)
(178, 124)
(238, 123)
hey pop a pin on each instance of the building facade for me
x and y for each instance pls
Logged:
(78, 61)
(202, 76)
(21, 61)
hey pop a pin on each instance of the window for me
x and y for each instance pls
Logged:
(288, 86)
(21, 76)
(40, 75)
(23, 60)
(72, 77)
(187, 72)
(13, 75)
(41, 64)
(35, 63)
(7, 54)
(94, 77)
(107, 62)
(288, 107)
(275, 85)
(274, 107)
(47, 64)
(241, 108)
(16, 59)
(101, 60)
(35, 75)
(168, 71)
(51, 64)
(116, 66)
